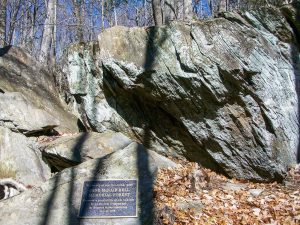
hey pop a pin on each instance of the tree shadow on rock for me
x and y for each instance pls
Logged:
(146, 100)
(49, 207)
(134, 111)
(146, 181)
(5, 50)
(76, 153)
(295, 53)
(145, 177)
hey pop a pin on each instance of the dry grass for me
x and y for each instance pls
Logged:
(7, 170)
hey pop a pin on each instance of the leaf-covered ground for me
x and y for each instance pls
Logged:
(191, 195)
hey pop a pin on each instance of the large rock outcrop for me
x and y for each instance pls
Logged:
(29, 106)
(220, 91)
(29, 98)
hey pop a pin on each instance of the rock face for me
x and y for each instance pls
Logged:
(29, 106)
(19, 114)
(220, 92)
(65, 152)
(58, 200)
(29, 98)
(21, 159)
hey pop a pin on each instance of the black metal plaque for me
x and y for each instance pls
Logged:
(109, 198)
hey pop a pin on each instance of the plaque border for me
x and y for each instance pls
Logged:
(110, 217)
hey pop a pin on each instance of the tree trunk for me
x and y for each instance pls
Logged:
(2, 23)
(102, 15)
(48, 32)
(187, 10)
(10, 34)
(211, 6)
(157, 13)
(115, 13)
(78, 14)
(222, 6)
(91, 30)
(179, 9)
(145, 13)
(33, 23)
(170, 11)
(53, 47)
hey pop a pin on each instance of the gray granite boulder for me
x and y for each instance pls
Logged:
(19, 114)
(71, 150)
(21, 159)
(30, 99)
(58, 200)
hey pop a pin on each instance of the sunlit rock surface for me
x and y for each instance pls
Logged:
(57, 201)
(72, 150)
(21, 115)
(29, 97)
(21, 159)
(220, 91)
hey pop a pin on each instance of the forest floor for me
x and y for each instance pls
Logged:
(191, 195)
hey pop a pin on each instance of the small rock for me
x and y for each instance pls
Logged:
(297, 169)
(234, 187)
(194, 205)
(256, 192)
(167, 214)
(256, 211)
(198, 179)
